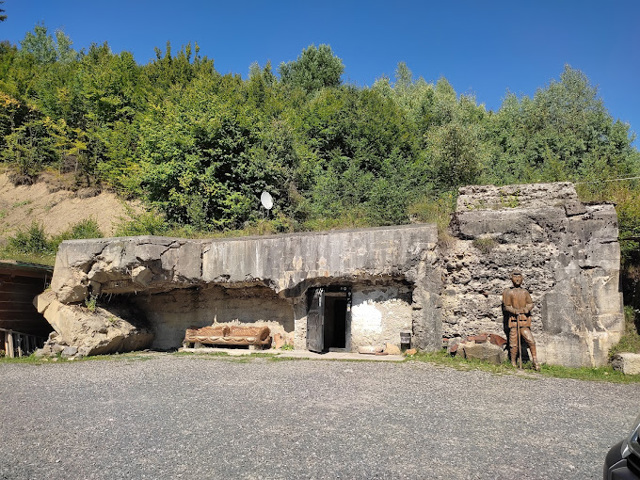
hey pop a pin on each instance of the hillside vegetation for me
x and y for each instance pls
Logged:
(199, 147)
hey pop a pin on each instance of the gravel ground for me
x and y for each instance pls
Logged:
(191, 417)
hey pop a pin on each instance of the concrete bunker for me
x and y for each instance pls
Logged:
(347, 289)
(335, 290)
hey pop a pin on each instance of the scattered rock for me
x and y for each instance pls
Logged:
(69, 351)
(452, 346)
(483, 351)
(627, 363)
(410, 352)
(391, 349)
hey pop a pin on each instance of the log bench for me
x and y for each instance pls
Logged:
(227, 335)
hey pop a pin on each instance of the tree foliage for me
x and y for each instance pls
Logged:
(200, 147)
(314, 69)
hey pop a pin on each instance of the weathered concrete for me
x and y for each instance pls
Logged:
(568, 253)
(379, 314)
(171, 313)
(180, 284)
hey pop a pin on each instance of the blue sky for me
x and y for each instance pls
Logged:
(485, 48)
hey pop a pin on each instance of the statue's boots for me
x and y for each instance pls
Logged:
(534, 357)
(513, 351)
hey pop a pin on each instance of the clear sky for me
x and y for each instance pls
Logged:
(482, 47)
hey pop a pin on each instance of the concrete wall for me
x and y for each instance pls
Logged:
(379, 314)
(170, 314)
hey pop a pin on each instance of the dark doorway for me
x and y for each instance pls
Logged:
(335, 321)
(327, 318)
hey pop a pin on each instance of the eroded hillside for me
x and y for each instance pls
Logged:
(57, 210)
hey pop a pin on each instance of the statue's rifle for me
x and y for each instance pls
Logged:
(519, 341)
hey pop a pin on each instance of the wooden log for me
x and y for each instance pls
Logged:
(260, 333)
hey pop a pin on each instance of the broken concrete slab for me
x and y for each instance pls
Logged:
(81, 331)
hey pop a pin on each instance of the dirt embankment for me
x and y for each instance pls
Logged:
(57, 210)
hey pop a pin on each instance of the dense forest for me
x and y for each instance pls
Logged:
(199, 147)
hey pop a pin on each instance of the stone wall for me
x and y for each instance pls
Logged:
(568, 253)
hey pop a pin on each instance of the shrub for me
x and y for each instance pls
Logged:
(32, 241)
(147, 223)
(630, 341)
(484, 244)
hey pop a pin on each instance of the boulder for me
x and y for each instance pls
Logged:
(483, 351)
(627, 363)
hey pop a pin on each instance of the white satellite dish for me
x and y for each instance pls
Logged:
(267, 200)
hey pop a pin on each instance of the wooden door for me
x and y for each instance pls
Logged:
(315, 321)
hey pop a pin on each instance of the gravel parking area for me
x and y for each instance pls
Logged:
(174, 416)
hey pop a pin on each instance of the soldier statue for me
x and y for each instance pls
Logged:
(517, 305)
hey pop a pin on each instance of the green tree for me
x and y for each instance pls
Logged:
(314, 69)
(563, 133)
(45, 49)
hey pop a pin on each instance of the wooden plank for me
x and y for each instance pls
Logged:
(9, 345)
(9, 287)
(10, 323)
(40, 329)
(25, 270)
(11, 309)
(10, 295)
(21, 295)
(8, 306)
(16, 290)
(19, 316)
(22, 280)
